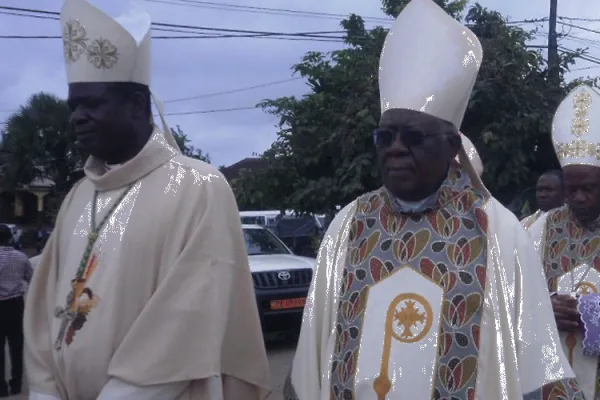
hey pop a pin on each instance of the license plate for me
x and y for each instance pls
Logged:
(288, 303)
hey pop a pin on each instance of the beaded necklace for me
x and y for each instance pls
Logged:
(69, 311)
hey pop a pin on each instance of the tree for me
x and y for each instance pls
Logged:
(37, 143)
(188, 150)
(324, 155)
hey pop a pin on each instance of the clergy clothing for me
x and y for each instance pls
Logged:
(589, 309)
(571, 262)
(570, 251)
(444, 302)
(530, 220)
(158, 300)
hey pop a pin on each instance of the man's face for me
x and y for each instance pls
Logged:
(413, 152)
(100, 119)
(549, 192)
(582, 191)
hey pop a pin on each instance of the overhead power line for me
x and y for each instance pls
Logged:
(583, 28)
(585, 68)
(243, 89)
(190, 29)
(580, 19)
(198, 30)
(208, 95)
(218, 110)
(585, 57)
(264, 10)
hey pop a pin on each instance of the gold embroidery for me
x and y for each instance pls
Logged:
(74, 41)
(409, 316)
(581, 123)
(584, 288)
(407, 311)
(580, 126)
(101, 53)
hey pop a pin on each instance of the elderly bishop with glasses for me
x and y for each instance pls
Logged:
(428, 288)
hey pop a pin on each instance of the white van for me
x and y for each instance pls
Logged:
(266, 218)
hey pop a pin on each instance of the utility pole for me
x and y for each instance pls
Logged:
(553, 59)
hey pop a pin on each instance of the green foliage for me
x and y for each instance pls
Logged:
(188, 150)
(324, 155)
(37, 143)
(454, 8)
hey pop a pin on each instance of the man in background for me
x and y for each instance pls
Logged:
(549, 193)
(15, 274)
(568, 237)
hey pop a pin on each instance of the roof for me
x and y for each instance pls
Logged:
(250, 163)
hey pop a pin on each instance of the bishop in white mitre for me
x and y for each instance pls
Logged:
(439, 298)
(143, 290)
(568, 237)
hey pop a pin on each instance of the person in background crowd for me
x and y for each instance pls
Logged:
(144, 289)
(568, 237)
(549, 193)
(15, 274)
(40, 239)
(428, 288)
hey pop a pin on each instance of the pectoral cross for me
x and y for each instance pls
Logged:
(67, 317)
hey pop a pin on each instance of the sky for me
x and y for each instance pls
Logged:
(195, 69)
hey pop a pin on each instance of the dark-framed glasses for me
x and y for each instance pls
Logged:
(384, 137)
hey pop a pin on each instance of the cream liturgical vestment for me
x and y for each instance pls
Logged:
(440, 301)
(439, 305)
(570, 251)
(166, 294)
(143, 291)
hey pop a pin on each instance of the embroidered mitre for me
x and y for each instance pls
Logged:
(576, 128)
(98, 48)
(429, 63)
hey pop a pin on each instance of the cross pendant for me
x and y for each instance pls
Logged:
(67, 316)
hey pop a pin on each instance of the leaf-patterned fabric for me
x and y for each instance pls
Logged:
(469, 264)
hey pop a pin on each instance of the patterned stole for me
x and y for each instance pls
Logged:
(568, 245)
(448, 246)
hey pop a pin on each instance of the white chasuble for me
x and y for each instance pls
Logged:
(164, 294)
(527, 222)
(571, 263)
(452, 308)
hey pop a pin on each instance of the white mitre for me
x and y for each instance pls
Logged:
(472, 154)
(98, 48)
(576, 128)
(429, 63)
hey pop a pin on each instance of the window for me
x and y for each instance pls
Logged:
(262, 242)
(253, 220)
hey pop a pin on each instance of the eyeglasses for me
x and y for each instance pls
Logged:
(383, 137)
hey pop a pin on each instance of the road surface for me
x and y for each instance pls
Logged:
(280, 351)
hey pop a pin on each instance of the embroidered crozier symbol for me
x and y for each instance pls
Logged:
(584, 288)
(408, 320)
